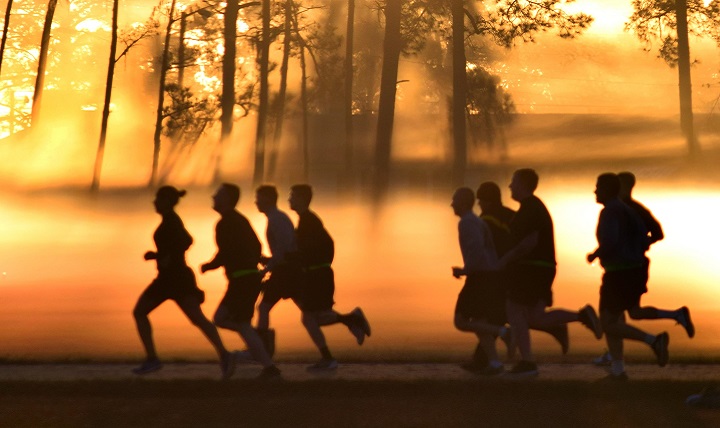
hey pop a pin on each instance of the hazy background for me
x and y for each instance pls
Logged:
(72, 267)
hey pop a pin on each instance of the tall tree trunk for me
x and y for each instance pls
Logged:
(259, 173)
(349, 143)
(42, 61)
(304, 102)
(6, 25)
(459, 102)
(165, 64)
(227, 102)
(181, 50)
(280, 112)
(108, 94)
(388, 89)
(686, 112)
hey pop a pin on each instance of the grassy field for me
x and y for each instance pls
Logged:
(323, 403)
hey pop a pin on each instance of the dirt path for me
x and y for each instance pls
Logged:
(296, 372)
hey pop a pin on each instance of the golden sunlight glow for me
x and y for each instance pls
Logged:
(208, 83)
(92, 25)
(610, 15)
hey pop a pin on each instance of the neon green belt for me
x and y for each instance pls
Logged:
(320, 266)
(243, 272)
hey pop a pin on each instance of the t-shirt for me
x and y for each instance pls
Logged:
(622, 237)
(476, 244)
(532, 217)
(498, 220)
(238, 246)
(280, 235)
(171, 240)
(314, 243)
(651, 224)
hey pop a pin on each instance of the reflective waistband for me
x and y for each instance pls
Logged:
(243, 272)
(320, 266)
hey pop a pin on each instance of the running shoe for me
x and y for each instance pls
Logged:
(269, 373)
(359, 326)
(560, 333)
(660, 347)
(603, 360)
(148, 366)
(686, 322)
(358, 313)
(589, 319)
(227, 365)
(357, 331)
(524, 368)
(708, 398)
(323, 365)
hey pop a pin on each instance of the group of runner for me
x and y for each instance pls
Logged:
(299, 268)
(509, 267)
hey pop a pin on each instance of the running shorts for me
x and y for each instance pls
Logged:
(482, 297)
(241, 296)
(621, 290)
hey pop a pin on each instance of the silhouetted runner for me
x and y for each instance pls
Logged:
(284, 273)
(532, 271)
(655, 234)
(175, 281)
(239, 252)
(315, 254)
(498, 217)
(622, 242)
(479, 307)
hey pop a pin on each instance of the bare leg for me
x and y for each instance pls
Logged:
(614, 333)
(312, 323)
(485, 357)
(191, 309)
(263, 321)
(653, 313)
(247, 333)
(463, 323)
(517, 315)
(541, 319)
(329, 317)
(615, 325)
(143, 307)
(487, 342)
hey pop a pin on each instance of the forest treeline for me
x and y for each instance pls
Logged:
(293, 67)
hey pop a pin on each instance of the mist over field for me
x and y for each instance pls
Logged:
(71, 262)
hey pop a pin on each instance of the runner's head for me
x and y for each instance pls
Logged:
(523, 184)
(226, 197)
(166, 198)
(488, 195)
(300, 197)
(607, 187)
(266, 198)
(462, 201)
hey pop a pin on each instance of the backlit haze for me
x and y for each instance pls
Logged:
(71, 264)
